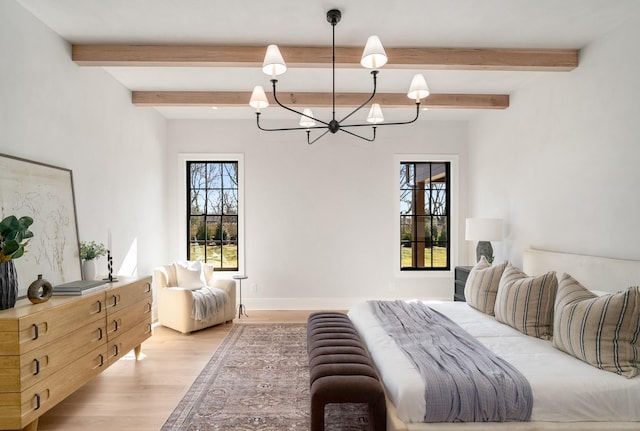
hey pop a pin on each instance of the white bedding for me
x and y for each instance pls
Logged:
(565, 389)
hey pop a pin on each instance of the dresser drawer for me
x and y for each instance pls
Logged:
(39, 328)
(125, 319)
(18, 409)
(24, 371)
(120, 345)
(119, 298)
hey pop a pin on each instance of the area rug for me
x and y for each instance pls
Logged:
(258, 379)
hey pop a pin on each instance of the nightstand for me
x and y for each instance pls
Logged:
(461, 273)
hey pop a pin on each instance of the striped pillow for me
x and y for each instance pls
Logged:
(482, 285)
(526, 303)
(600, 330)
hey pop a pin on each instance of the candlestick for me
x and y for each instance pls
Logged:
(110, 277)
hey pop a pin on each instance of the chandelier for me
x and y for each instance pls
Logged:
(373, 58)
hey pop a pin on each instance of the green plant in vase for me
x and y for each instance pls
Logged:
(14, 236)
(89, 252)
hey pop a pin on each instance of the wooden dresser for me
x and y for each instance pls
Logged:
(49, 350)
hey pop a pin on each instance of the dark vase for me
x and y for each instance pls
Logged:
(8, 285)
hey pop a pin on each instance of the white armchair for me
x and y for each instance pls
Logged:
(176, 303)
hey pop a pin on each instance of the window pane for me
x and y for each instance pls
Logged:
(214, 202)
(197, 237)
(438, 202)
(230, 255)
(442, 237)
(406, 257)
(198, 172)
(230, 175)
(230, 225)
(231, 202)
(423, 174)
(197, 202)
(438, 172)
(407, 175)
(214, 176)
(406, 229)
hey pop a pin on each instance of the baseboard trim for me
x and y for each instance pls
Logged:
(309, 303)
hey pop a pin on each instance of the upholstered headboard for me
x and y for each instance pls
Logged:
(594, 273)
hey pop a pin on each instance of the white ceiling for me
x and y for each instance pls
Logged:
(566, 24)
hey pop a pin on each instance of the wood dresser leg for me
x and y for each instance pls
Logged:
(136, 352)
(33, 426)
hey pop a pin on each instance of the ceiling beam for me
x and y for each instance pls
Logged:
(316, 100)
(314, 56)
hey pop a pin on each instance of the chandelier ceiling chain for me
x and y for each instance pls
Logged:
(373, 58)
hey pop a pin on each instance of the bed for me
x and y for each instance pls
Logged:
(568, 395)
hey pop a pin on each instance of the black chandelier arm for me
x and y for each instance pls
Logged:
(360, 136)
(275, 97)
(399, 123)
(310, 142)
(366, 102)
(286, 128)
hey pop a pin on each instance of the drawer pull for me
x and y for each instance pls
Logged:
(101, 360)
(37, 362)
(115, 348)
(99, 333)
(99, 306)
(148, 288)
(115, 326)
(148, 309)
(149, 330)
(115, 300)
(37, 401)
(36, 331)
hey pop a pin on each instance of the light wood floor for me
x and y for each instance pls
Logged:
(140, 395)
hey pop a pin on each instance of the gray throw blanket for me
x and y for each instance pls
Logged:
(464, 381)
(207, 301)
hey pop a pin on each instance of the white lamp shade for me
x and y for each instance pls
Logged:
(306, 119)
(375, 114)
(273, 64)
(373, 56)
(258, 98)
(483, 229)
(418, 88)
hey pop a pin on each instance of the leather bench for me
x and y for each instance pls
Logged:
(341, 370)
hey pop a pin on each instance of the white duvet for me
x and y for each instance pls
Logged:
(565, 389)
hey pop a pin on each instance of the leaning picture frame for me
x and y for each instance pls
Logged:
(44, 193)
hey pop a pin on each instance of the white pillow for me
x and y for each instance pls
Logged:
(190, 275)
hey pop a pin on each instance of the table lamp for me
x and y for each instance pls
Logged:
(483, 230)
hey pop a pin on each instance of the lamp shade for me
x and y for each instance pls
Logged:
(418, 88)
(373, 56)
(375, 114)
(306, 119)
(273, 63)
(483, 229)
(258, 98)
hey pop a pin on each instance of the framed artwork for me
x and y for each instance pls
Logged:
(44, 193)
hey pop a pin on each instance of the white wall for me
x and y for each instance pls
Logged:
(55, 112)
(561, 164)
(320, 219)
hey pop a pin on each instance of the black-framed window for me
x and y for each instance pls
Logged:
(212, 213)
(425, 196)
